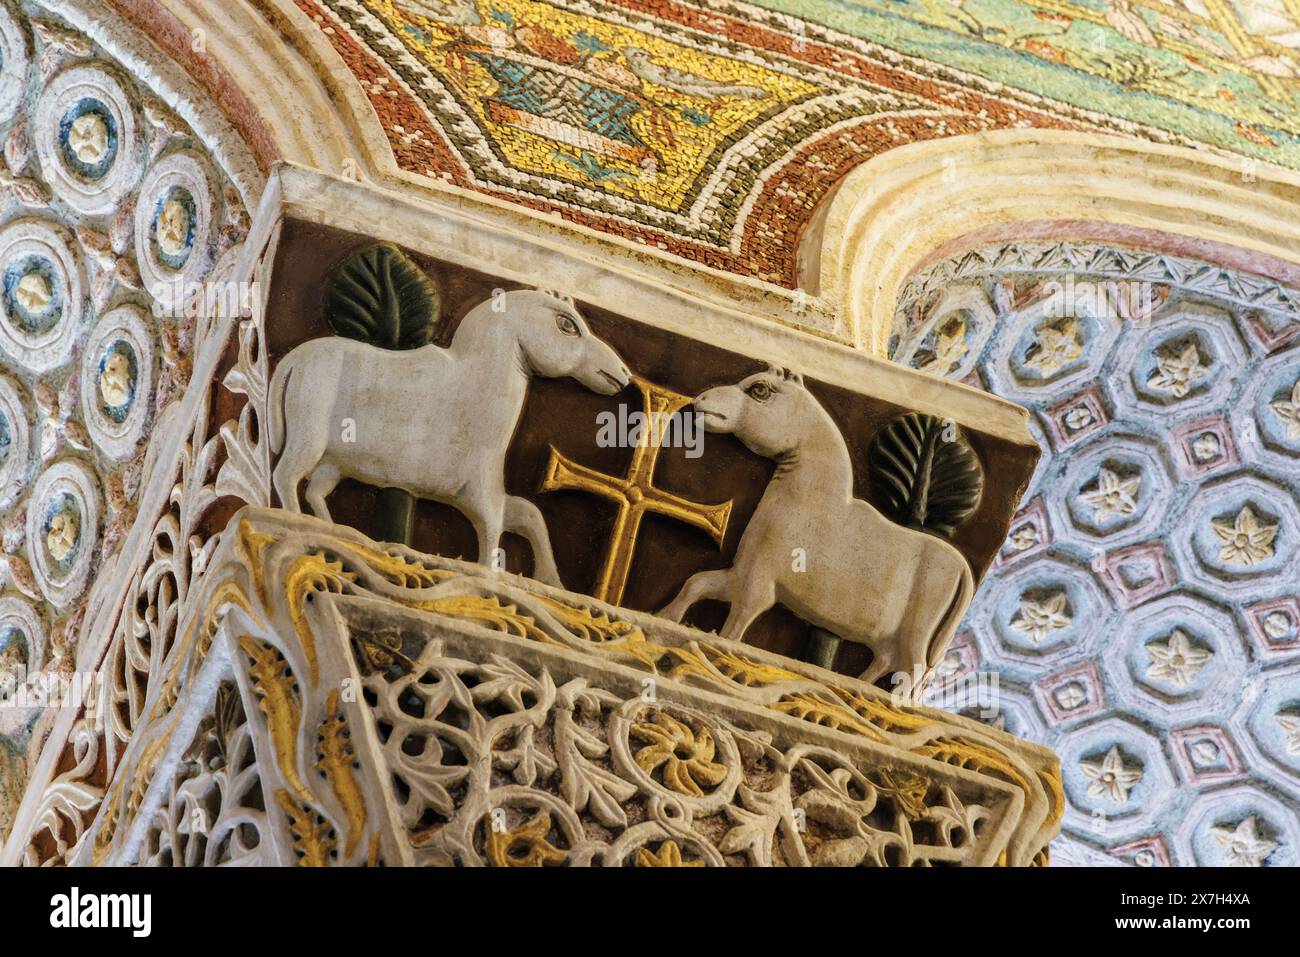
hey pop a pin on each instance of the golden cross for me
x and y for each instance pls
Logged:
(636, 493)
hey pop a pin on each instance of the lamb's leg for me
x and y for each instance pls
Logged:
(523, 518)
(486, 519)
(322, 482)
(289, 471)
(710, 584)
(752, 602)
(881, 664)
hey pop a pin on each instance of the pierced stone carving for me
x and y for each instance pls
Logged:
(514, 718)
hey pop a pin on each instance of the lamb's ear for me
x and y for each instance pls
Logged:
(775, 370)
(567, 300)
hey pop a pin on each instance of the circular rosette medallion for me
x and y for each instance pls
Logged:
(14, 61)
(117, 375)
(87, 138)
(174, 227)
(14, 438)
(40, 294)
(22, 641)
(62, 529)
(686, 762)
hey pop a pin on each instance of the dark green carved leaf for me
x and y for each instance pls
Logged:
(378, 295)
(924, 473)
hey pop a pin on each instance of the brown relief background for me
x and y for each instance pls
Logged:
(564, 414)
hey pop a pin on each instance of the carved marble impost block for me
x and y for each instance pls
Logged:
(478, 394)
(342, 701)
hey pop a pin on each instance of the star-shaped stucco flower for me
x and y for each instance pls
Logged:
(1176, 374)
(1290, 725)
(1242, 845)
(949, 349)
(1107, 777)
(1039, 618)
(1056, 347)
(1176, 659)
(1113, 497)
(1289, 412)
(1246, 541)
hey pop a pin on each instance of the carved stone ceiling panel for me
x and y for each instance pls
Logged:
(713, 130)
(111, 213)
(1144, 617)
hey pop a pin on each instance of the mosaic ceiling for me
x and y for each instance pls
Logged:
(713, 130)
(1143, 619)
(108, 204)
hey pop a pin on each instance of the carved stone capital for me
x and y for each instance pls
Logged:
(347, 702)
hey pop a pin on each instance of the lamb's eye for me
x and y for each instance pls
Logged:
(760, 391)
(566, 324)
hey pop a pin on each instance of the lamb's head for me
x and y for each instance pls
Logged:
(768, 411)
(555, 341)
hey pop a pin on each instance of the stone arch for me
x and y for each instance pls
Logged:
(892, 213)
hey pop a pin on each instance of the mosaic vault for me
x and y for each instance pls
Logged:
(712, 131)
(1144, 617)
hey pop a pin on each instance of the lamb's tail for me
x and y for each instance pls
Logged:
(952, 617)
(275, 402)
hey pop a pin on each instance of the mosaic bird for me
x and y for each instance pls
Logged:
(690, 84)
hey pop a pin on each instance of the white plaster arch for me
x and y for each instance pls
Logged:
(891, 213)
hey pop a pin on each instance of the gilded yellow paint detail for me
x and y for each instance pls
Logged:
(336, 760)
(605, 633)
(273, 685)
(683, 754)
(400, 571)
(635, 493)
(710, 662)
(810, 707)
(523, 846)
(488, 611)
(908, 789)
(311, 840)
(251, 545)
(974, 756)
(668, 855)
(309, 574)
